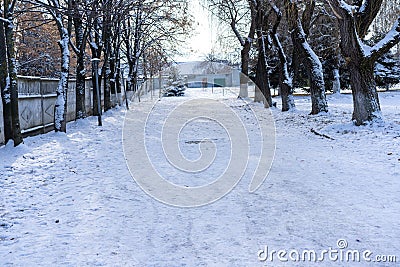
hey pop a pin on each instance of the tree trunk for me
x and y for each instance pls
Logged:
(311, 60)
(106, 84)
(96, 47)
(336, 81)
(94, 95)
(106, 74)
(4, 85)
(137, 45)
(285, 81)
(113, 76)
(80, 110)
(353, 25)
(361, 62)
(118, 74)
(12, 71)
(365, 95)
(262, 77)
(80, 88)
(106, 71)
(60, 117)
(244, 77)
(295, 67)
(262, 74)
(317, 83)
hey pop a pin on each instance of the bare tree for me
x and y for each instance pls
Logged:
(238, 13)
(10, 91)
(311, 60)
(5, 89)
(81, 18)
(354, 22)
(55, 8)
(159, 24)
(262, 69)
(285, 79)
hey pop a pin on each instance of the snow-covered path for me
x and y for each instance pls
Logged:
(69, 200)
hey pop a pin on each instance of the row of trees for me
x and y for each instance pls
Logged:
(324, 42)
(126, 35)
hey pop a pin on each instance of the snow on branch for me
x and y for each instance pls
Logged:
(390, 40)
(339, 6)
(275, 8)
(5, 20)
(349, 8)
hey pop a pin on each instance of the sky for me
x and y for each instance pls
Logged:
(201, 43)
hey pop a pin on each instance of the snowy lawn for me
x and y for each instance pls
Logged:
(70, 200)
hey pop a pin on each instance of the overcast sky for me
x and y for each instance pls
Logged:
(201, 43)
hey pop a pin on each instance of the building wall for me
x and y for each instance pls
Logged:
(197, 79)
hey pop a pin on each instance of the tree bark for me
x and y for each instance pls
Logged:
(5, 89)
(96, 49)
(80, 111)
(60, 117)
(12, 72)
(106, 70)
(262, 77)
(365, 96)
(285, 81)
(134, 61)
(118, 71)
(262, 74)
(361, 58)
(106, 73)
(113, 79)
(244, 77)
(311, 60)
(364, 19)
(80, 40)
(246, 47)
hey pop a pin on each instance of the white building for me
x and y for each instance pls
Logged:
(211, 73)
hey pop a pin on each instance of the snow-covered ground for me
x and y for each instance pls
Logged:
(70, 200)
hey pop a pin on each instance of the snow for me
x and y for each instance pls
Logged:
(392, 37)
(7, 95)
(5, 20)
(349, 8)
(94, 45)
(69, 199)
